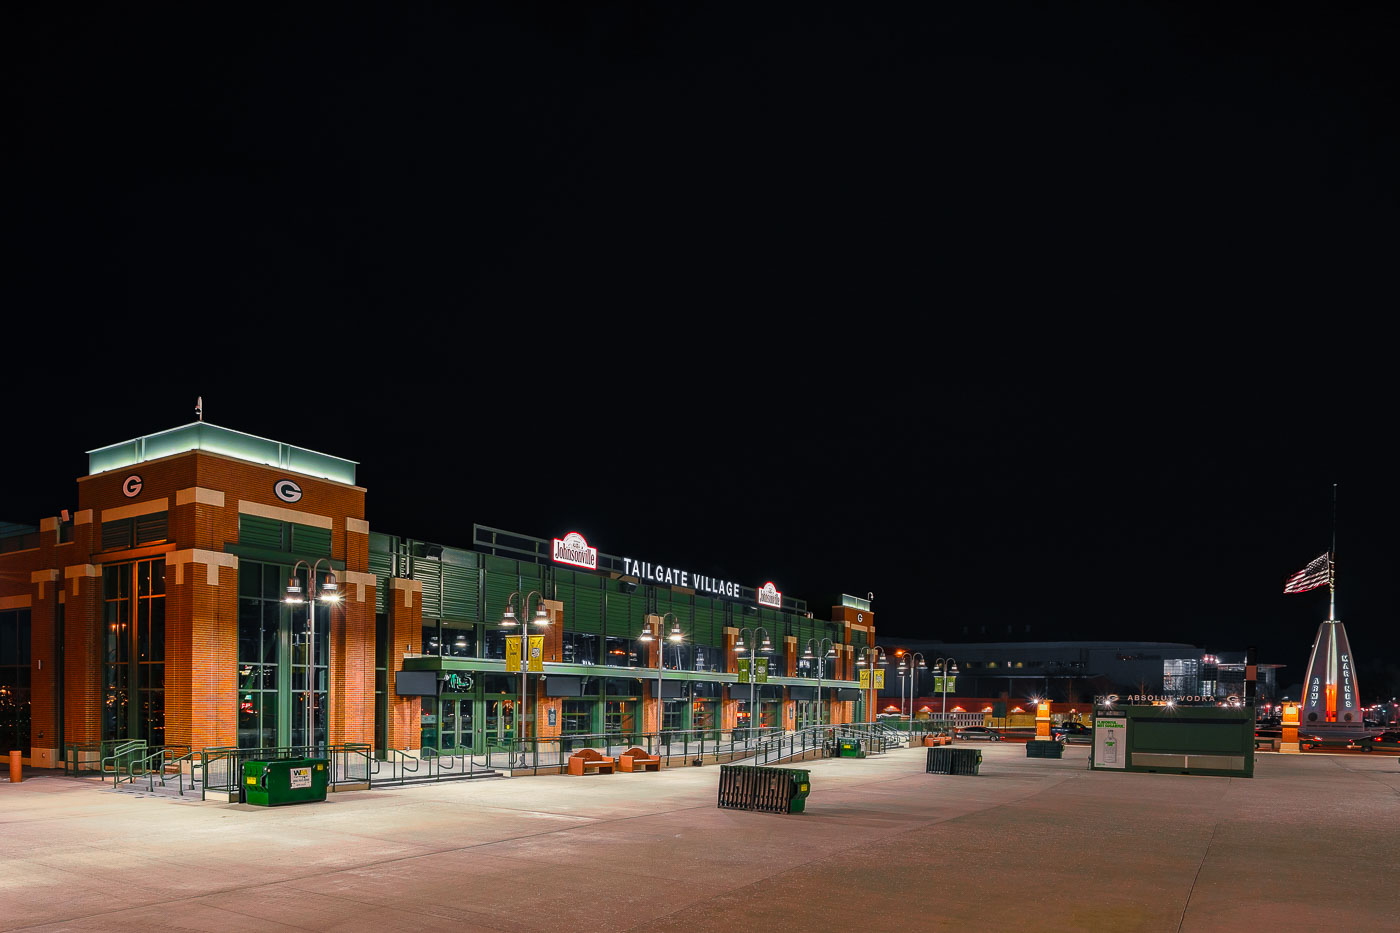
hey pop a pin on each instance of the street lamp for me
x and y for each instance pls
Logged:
(330, 593)
(676, 638)
(879, 658)
(508, 620)
(951, 665)
(821, 665)
(766, 648)
(913, 669)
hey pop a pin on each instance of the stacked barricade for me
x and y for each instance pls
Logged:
(949, 760)
(769, 790)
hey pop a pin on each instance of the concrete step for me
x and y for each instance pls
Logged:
(170, 791)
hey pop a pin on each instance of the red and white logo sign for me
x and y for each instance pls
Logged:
(768, 595)
(573, 549)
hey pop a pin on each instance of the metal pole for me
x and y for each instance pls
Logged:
(660, 664)
(310, 650)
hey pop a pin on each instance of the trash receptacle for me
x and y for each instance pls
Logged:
(851, 748)
(285, 780)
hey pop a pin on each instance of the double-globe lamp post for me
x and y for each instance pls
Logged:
(946, 667)
(906, 662)
(821, 657)
(676, 638)
(767, 648)
(330, 594)
(878, 658)
(508, 620)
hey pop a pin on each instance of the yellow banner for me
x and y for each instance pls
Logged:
(537, 653)
(879, 680)
(512, 652)
(865, 680)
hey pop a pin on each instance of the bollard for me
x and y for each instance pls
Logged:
(16, 772)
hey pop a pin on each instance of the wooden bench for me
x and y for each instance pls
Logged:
(587, 759)
(634, 759)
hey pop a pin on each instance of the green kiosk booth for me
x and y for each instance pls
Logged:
(1173, 738)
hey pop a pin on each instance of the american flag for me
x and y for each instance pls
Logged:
(1318, 573)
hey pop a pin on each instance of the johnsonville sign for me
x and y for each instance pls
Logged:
(573, 549)
(768, 595)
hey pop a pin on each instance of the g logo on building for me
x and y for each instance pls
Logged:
(131, 486)
(287, 490)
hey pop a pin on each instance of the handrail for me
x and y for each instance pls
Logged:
(118, 751)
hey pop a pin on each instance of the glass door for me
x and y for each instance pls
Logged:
(456, 725)
(500, 721)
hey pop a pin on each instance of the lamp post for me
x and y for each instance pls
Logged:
(821, 665)
(753, 671)
(945, 666)
(330, 593)
(878, 658)
(675, 637)
(913, 679)
(508, 620)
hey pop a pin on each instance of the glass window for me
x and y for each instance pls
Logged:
(580, 648)
(458, 639)
(577, 716)
(622, 652)
(431, 642)
(15, 700)
(134, 655)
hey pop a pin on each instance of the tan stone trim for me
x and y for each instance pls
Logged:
(858, 627)
(791, 638)
(280, 514)
(43, 578)
(364, 582)
(212, 561)
(16, 602)
(83, 518)
(76, 572)
(136, 508)
(49, 524)
(409, 587)
(357, 525)
(199, 494)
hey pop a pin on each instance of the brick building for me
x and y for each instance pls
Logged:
(158, 609)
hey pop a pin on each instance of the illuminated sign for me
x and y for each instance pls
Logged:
(573, 549)
(287, 491)
(768, 595)
(131, 486)
(670, 576)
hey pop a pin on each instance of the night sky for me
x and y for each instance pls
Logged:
(1066, 317)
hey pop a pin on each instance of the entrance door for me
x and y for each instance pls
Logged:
(500, 721)
(456, 724)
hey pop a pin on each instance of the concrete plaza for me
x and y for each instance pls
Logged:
(1029, 844)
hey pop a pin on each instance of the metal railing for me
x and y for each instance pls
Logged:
(156, 763)
(672, 746)
(221, 769)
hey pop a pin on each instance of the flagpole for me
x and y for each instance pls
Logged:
(1332, 563)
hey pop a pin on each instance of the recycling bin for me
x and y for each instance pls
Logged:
(285, 780)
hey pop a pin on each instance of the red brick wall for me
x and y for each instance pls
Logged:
(404, 604)
(352, 661)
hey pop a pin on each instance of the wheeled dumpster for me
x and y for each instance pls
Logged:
(285, 780)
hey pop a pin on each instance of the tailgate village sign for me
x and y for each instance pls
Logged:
(670, 576)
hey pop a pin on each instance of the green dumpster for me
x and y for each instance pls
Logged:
(851, 748)
(284, 780)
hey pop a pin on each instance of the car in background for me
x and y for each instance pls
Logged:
(1386, 741)
(978, 732)
(1071, 732)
